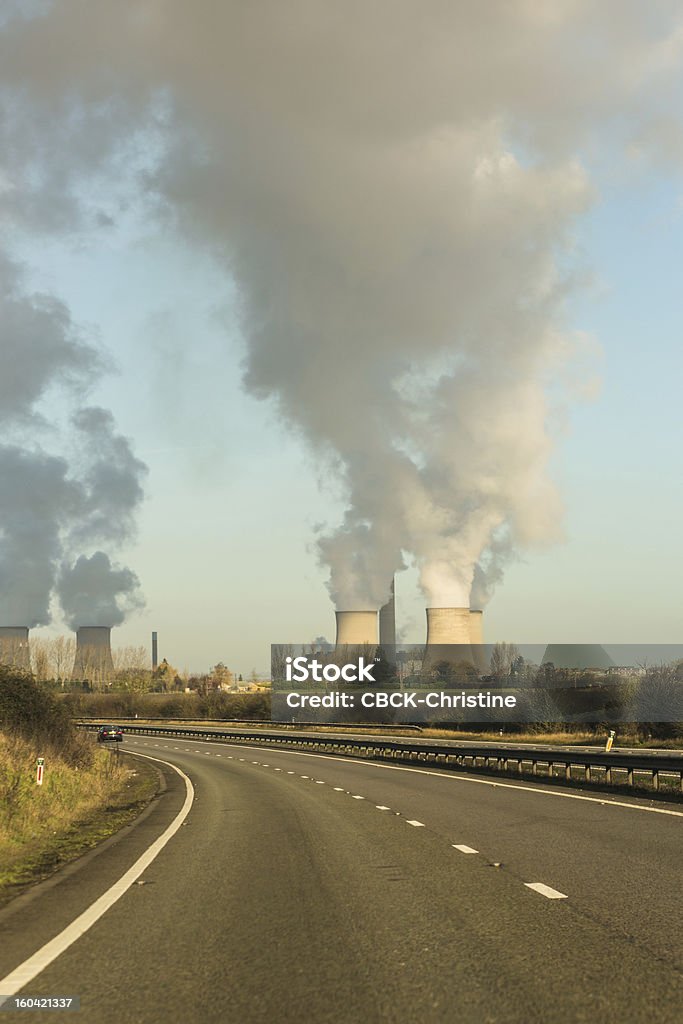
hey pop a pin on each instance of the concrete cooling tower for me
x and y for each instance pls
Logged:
(578, 656)
(356, 628)
(14, 649)
(448, 636)
(93, 654)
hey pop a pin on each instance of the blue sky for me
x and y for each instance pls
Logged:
(401, 197)
(224, 549)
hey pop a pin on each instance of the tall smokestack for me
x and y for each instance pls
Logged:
(155, 652)
(387, 624)
(448, 636)
(356, 628)
(477, 638)
(14, 649)
(93, 654)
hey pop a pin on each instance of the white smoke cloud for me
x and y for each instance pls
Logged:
(393, 186)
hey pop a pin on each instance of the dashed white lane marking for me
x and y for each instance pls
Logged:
(381, 807)
(264, 765)
(32, 967)
(358, 798)
(291, 773)
(545, 890)
(277, 769)
(485, 782)
(219, 755)
(304, 776)
(339, 789)
(319, 782)
(416, 824)
(464, 849)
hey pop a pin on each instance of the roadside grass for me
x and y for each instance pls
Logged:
(78, 805)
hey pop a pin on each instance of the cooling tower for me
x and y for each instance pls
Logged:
(448, 636)
(477, 639)
(588, 656)
(356, 628)
(93, 654)
(387, 624)
(14, 650)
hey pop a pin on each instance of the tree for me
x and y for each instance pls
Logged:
(503, 656)
(62, 655)
(221, 678)
(166, 678)
(40, 660)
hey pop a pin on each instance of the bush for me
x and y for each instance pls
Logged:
(29, 711)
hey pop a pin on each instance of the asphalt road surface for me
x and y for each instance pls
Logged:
(306, 888)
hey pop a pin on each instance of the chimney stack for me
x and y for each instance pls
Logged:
(93, 654)
(387, 624)
(477, 639)
(14, 649)
(355, 628)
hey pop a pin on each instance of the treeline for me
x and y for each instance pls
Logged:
(215, 704)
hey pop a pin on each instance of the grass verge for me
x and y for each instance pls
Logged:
(78, 806)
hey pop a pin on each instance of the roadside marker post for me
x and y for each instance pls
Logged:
(40, 770)
(610, 741)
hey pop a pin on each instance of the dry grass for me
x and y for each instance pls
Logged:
(39, 825)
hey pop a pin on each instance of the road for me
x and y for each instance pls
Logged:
(303, 887)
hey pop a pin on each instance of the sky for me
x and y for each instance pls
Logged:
(244, 477)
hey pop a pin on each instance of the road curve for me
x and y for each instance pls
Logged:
(309, 888)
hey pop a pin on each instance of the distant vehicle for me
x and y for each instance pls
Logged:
(109, 732)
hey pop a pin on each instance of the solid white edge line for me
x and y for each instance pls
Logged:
(29, 969)
(464, 849)
(545, 890)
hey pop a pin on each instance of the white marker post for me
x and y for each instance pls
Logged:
(39, 770)
(610, 741)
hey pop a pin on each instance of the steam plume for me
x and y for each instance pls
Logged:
(51, 505)
(394, 186)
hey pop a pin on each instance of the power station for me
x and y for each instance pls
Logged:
(356, 628)
(93, 653)
(14, 647)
